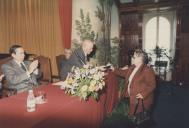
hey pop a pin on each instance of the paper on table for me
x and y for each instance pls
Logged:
(58, 83)
(40, 100)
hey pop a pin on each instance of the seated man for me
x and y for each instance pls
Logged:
(78, 58)
(20, 75)
(63, 61)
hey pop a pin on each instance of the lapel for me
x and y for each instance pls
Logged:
(16, 66)
(130, 70)
(138, 73)
(80, 54)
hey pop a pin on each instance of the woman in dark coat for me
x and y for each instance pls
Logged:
(140, 82)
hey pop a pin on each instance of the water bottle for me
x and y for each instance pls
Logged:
(31, 105)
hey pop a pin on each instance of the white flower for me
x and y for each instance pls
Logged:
(86, 66)
(72, 90)
(97, 76)
(75, 84)
(84, 88)
(63, 85)
(93, 71)
(77, 76)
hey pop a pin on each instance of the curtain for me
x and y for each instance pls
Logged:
(65, 12)
(34, 24)
(160, 30)
(161, 33)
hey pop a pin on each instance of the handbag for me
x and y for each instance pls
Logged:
(142, 118)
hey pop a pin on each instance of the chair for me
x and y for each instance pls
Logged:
(59, 58)
(6, 91)
(45, 69)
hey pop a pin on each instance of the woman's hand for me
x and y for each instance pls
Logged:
(139, 96)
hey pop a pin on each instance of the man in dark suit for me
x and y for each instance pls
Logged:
(63, 61)
(20, 74)
(77, 59)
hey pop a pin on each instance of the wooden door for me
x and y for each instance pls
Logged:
(130, 33)
(181, 69)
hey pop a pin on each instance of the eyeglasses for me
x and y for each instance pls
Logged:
(134, 57)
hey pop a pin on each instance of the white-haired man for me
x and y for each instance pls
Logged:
(78, 58)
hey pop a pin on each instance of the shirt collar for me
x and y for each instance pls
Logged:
(19, 63)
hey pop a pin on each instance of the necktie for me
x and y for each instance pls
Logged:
(30, 80)
(23, 67)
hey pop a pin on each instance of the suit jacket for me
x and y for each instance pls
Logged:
(77, 59)
(143, 82)
(16, 77)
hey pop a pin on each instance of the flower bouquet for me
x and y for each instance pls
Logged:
(84, 82)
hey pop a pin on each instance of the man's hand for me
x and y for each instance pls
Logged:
(1, 77)
(112, 68)
(33, 66)
(59, 83)
(139, 96)
(101, 68)
(125, 67)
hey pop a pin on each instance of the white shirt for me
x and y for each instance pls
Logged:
(27, 72)
(131, 78)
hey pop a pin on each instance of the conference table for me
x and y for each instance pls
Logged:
(61, 110)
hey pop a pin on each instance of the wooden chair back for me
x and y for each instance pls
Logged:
(59, 58)
(45, 69)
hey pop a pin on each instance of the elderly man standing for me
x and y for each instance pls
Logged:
(20, 74)
(78, 58)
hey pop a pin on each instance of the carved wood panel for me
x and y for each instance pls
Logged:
(180, 73)
(182, 64)
(130, 32)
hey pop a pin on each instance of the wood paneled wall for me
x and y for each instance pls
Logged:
(131, 33)
(182, 46)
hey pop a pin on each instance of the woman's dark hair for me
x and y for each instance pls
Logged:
(143, 54)
(13, 49)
